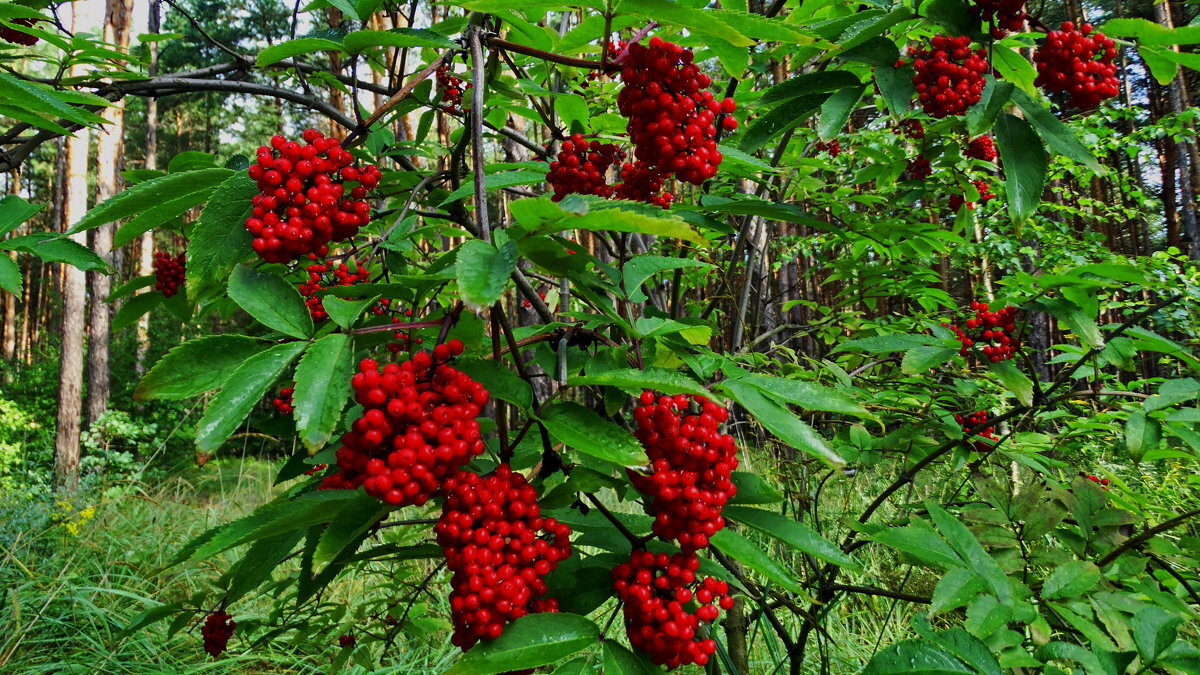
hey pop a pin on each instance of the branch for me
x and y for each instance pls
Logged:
(497, 43)
(170, 84)
(882, 592)
(1145, 536)
(478, 78)
(395, 99)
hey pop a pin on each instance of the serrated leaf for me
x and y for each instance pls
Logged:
(287, 50)
(587, 432)
(920, 359)
(572, 109)
(322, 388)
(14, 210)
(531, 641)
(783, 117)
(56, 248)
(492, 181)
(361, 40)
(272, 301)
(245, 387)
(882, 344)
(133, 310)
(982, 115)
(807, 395)
(896, 87)
(1142, 434)
(651, 379)
(795, 534)
(836, 109)
(1070, 579)
(159, 214)
(1013, 380)
(501, 382)
(196, 366)
(345, 312)
(781, 422)
(621, 661)
(746, 553)
(640, 268)
(219, 240)
(752, 489)
(483, 270)
(1025, 167)
(1056, 134)
(10, 275)
(353, 519)
(149, 196)
(284, 514)
(38, 97)
(916, 657)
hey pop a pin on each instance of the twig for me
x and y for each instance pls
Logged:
(477, 97)
(1145, 536)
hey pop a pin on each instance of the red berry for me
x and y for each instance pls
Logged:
(217, 629)
(949, 75)
(169, 272)
(1078, 64)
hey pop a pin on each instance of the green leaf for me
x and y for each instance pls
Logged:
(196, 366)
(782, 118)
(877, 51)
(1014, 68)
(1056, 134)
(245, 387)
(1172, 392)
(287, 50)
(742, 550)
(354, 518)
(896, 86)
(623, 220)
(161, 213)
(795, 534)
(825, 81)
(807, 395)
(270, 300)
(492, 181)
(1013, 380)
(587, 432)
(640, 268)
(920, 359)
(14, 211)
(781, 422)
(501, 382)
(657, 380)
(56, 248)
(752, 489)
(836, 109)
(32, 117)
(921, 542)
(39, 97)
(133, 310)
(1142, 434)
(531, 641)
(150, 616)
(345, 312)
(955, 589)
(483, 271)
(148, 197)
(10, 275)
(680, 14)
(971, 551)
(571, 109)
(620, 661)
(953, 15)
(1070, 579)
(362, 40)
(1154, 629)
(219, 240)
(283, 514)
(882, 344)
(129, 287)
(1024, 161)
(982, 115)
(761, 207)
(322, 388)
(916, 657)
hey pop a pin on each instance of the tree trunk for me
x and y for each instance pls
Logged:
(109, 145)
(9, 325)
(146, 247)
(74, 287)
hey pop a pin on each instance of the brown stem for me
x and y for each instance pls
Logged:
(1145, 536)
(497, 43)
(395, 99)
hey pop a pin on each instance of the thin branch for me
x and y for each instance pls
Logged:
(497, 43)
(478, 79)
(1145, 536)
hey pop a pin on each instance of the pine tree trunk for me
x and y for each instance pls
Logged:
(109, 145)
(9, 325)
(146, 245)
(74, 288)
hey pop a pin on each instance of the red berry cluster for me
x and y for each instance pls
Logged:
(833, 147)
(643, 183)
(582, 168)
(1103, 482)
(284, 402)
(500, 549)
(452, 88)
(997, 329)
(949, 75)
(969, 422)
(17, 37)
(1003, 15)
(985, 195)
(918, 168)
(983, 148)
(417, 427)
(303, 204)
(169, 272)
(692, 462)
(655, 590)
(217, 630)
(910, 128)
(347, 640)
(327, 275)
(1078, 63)
(672, 118)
